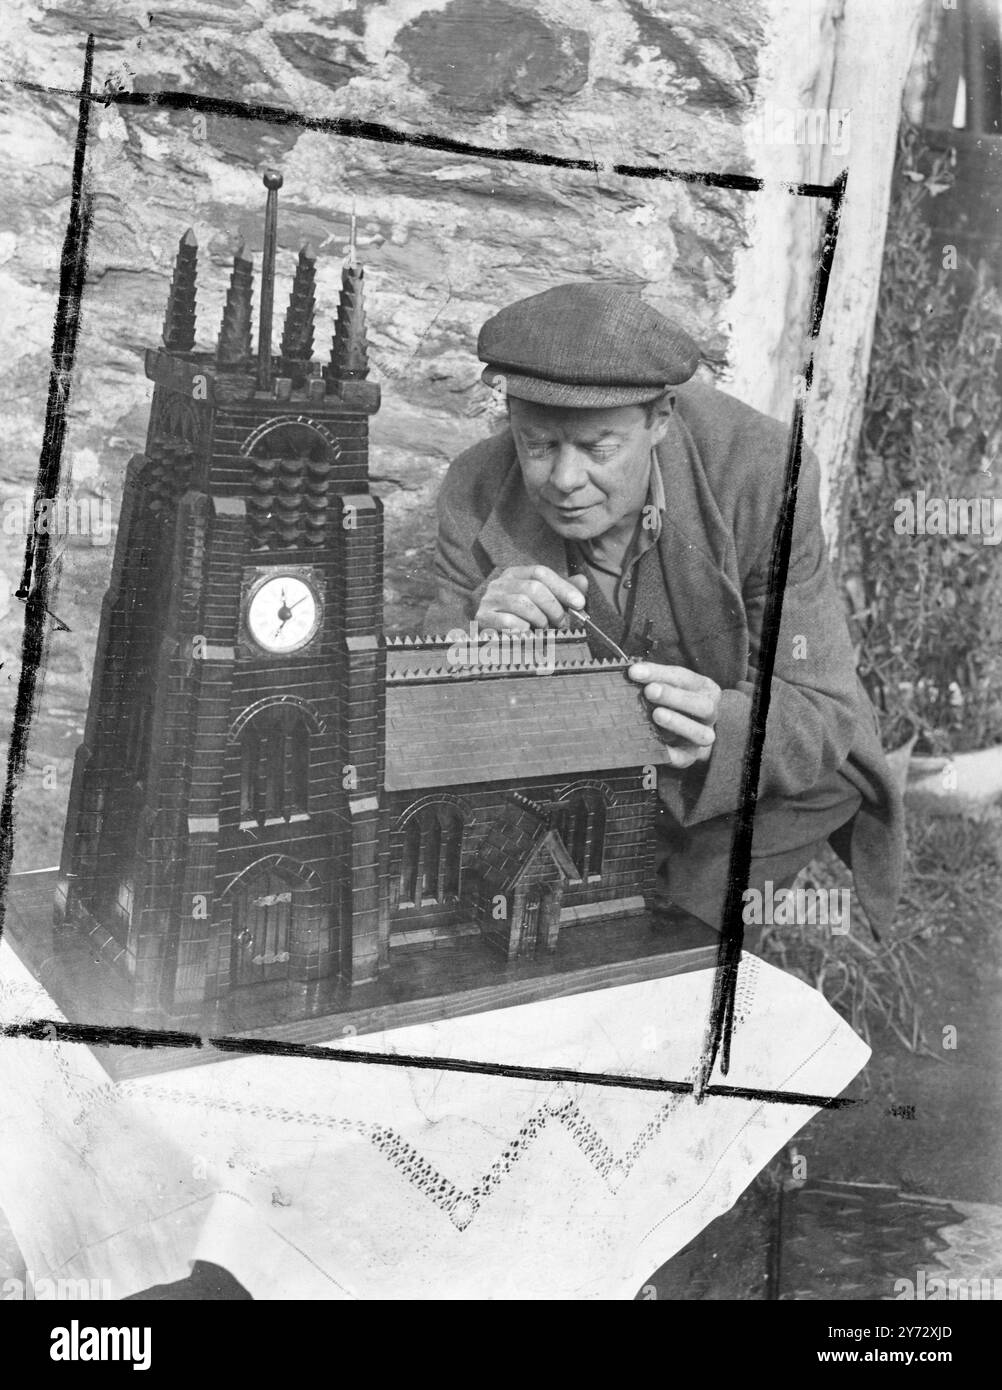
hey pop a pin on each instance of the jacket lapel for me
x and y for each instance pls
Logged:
(699, 567)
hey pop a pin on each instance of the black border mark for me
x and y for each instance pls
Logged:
(34, 586)
(721, 1021)
(358, 129)
(73, 274)
(50, 1030)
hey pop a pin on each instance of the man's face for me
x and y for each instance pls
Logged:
(586, 471)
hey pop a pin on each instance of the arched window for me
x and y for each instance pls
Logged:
(274, 765)
(296, 439)
(431, 852)
(124, 902)
(262, 927)
(410, 861)
(580, 821)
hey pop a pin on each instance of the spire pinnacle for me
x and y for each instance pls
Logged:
(297, 335)
(351, 236)
(349, 349)
(179, 319)
(235, 330)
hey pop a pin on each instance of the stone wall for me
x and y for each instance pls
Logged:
(446, 239)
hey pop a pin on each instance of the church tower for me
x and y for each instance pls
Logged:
(224, 827)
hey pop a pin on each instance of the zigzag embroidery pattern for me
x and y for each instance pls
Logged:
(459, 1205)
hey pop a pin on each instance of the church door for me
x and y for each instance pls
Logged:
(262, 927)
(529, 926)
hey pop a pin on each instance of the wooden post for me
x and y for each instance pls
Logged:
(872, 59)
(846, 56)
(273, 182)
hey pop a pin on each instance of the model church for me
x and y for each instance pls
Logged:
(270, 792)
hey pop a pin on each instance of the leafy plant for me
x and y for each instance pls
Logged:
(868, 981)
(928, 608)
(877, 984)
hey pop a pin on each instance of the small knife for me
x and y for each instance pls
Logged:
(586, 618)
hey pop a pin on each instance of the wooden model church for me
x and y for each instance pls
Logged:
(273, 797)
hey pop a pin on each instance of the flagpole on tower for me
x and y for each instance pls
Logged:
(273, 182)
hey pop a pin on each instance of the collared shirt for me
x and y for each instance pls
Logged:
(618, 586)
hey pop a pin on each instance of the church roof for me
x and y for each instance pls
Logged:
(521, 832)
(443, 732)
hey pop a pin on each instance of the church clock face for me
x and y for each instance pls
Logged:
(283, 612)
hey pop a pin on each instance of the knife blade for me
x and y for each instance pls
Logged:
(587, 618)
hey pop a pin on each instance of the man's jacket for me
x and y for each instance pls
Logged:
(723, 466)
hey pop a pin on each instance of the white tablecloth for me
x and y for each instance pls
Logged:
(333, 1180)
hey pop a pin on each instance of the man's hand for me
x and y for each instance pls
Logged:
(684, 704)
(526, 596)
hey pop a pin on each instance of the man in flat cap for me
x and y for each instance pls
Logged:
(622, 485)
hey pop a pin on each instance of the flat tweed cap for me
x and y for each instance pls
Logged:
(585, 345)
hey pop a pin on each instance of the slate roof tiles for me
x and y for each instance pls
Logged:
(469, 730)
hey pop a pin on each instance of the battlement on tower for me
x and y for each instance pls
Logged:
(239, 370)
